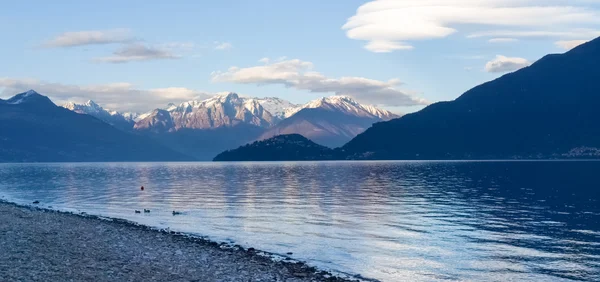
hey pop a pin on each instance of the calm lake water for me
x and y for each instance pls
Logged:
(392, 221)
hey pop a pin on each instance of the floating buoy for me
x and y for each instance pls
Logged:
(142, 188)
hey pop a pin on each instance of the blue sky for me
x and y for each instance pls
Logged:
(397, 54)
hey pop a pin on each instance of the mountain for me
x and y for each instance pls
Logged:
(33, 129)
(348, 106)
(280, 109)
(226, 110)
(119, 120)
(330, 121)
(547, 110)
(293, 147)
(204, 128)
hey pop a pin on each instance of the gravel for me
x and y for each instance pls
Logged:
(44, 245)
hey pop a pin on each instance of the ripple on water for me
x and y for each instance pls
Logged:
(393, 221)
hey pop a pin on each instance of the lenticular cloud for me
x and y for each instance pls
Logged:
(389, 25)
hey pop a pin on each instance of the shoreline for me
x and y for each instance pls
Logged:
(42, 244)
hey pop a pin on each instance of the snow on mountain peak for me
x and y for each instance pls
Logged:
(279, 108)
(30, 92)
(225, 109)
(111, 117)
(22, 97)
(91, 103)
(171, 106)
(347, 105)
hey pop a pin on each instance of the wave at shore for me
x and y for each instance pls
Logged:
(48, 245)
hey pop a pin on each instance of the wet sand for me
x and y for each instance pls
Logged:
(44, 245)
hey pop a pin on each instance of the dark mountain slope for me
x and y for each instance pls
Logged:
(545, 110)
(33, 129)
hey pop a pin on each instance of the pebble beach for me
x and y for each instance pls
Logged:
(45, 245)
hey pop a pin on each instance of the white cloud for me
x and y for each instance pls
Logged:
(506, 64)
(223, 45)
(299, 75)
(90, 37)
(570, 44)
(389, 25)
(386, 46)
(116, 96)
(503, 40)
(137, 52)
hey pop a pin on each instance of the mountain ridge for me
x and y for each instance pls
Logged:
(545, 111)
(123, 121)
(33, 129)
(330, 121)
(541, 111)
(204, 128)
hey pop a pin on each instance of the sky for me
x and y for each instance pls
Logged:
(400, 55)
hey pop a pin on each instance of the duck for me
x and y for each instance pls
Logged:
(142, 188)
(136, 211)
(176, 213)
(146, 211)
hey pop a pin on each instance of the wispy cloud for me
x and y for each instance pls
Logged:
(121, 96)
(506, 64)
(90, 37)
(178, 46)
(137, 52)
(300, 75)
(503, 40)
(466, 57)
(223, 45)
(570, 44)
(388, 25)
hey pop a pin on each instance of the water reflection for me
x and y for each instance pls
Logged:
(392, 221)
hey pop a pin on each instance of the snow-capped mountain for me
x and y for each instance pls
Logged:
(330, 121)
(279, 108)
(348, 106)
(114, 118)
(25, 97)
(225, 110)
(204, 128)
(169, 107)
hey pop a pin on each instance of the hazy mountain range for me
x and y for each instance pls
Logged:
(193, 130)
(202, 129)
(546, 110)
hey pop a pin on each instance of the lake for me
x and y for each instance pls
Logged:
(391, 221)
